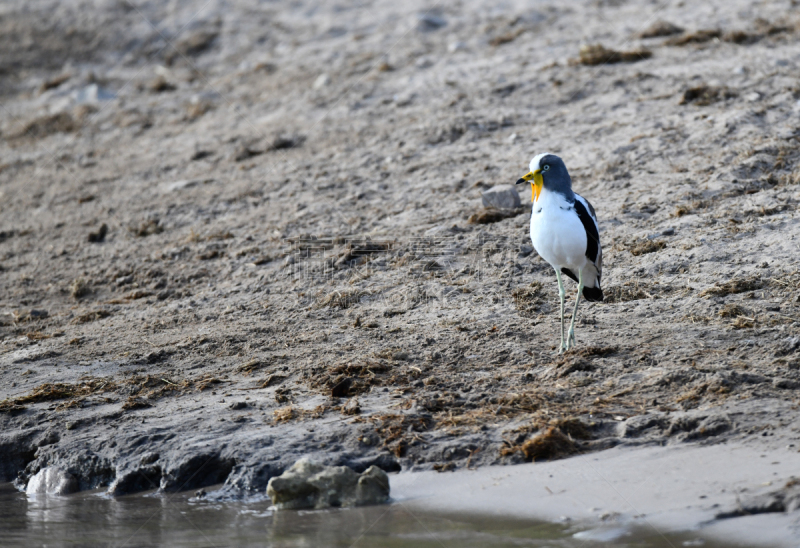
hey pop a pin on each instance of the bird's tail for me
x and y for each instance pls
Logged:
(593, 294)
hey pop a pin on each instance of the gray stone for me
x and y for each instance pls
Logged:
(501, 197)
(373, 487)
(52, 481)
(336, 486)
(310, 485)
(93, 94)
(291, 489)
(428, 22)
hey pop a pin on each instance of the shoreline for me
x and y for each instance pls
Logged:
(617, 490)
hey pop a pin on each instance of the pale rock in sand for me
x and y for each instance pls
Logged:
(501, 197)
(310, 485)
(52, 481)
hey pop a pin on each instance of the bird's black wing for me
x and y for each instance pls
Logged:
(590, 225)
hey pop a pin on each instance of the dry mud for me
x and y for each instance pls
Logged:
(233, 234)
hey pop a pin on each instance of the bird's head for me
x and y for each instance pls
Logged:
(547, 170)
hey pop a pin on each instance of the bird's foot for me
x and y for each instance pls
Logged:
(562, 350)
(570, 339)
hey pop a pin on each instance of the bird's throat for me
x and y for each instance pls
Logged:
(536, 186)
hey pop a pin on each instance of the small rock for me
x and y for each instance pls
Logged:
(100, 235)
(524, 251)
(236, 406)
(453, 47)
(342, 389)
(93, 94)
(788, 346)
(157, 356)
(200, 154)
(373, 487)
(78, 288)
(321, 81)
(428, 22)
(29, 315)
(160, 84)
(245, 152)
(310, 485)
(285, 142)
(668, 232)
(501, 197)
(352, 407)
(291, 489)
(336, 486)
(52, 481)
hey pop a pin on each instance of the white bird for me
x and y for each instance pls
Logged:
(565, 233)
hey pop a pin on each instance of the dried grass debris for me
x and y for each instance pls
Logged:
(704, 95)
(251, 367)
(594, 351)
(55, 82)
(60, 391)
(135, 403)
(92, 316)
(659, 29)
(489, 215)
(630, 291)
(696, 37)
(551, 444)
(734, 286)
(147, 228)
(341, 298)
(732, 310)
(527, 299)
(38, 336)
(43, 126)
(358, 252)
(284, 414)
(597, 54)
(743, 322)
(740, 37)
(642, 247)
(506, 38)
(207, 381)
(11, 407)
(30, 315)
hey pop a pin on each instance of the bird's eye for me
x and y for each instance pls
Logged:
(545, 167)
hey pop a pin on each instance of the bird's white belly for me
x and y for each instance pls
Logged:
(559, 236)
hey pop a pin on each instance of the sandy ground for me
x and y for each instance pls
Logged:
(233, 234)
(660, 490)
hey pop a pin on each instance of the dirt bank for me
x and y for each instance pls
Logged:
(232, 234)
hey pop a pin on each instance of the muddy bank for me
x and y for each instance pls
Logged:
(238, 235)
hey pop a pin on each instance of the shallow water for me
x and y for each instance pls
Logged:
(89, 519)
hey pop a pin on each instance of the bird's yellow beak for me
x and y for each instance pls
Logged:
(536, 185)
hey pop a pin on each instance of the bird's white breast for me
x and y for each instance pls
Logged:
(557, 233)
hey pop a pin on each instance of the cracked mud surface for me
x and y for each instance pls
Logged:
(241, 235)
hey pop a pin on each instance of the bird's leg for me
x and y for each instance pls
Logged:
(561, 294)
(571, 334)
